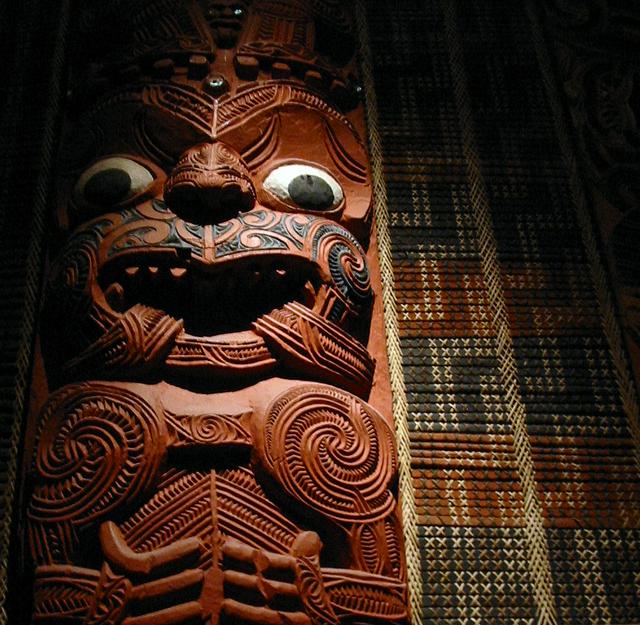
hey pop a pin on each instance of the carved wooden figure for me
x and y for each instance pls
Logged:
(206, 453)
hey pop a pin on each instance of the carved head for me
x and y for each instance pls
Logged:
(214, 223)
(277, 145)
(226, 18)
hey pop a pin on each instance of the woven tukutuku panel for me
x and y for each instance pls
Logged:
(521, 453)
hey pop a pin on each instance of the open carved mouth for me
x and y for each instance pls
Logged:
(263, 289)
(212, 302)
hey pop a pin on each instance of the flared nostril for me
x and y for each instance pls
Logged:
(204, 205)
(239, 194)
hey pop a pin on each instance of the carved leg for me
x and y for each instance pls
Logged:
(79, 596)
(63, 593)
(357, 596)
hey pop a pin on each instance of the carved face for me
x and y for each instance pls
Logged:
(212, 214)
(225, 17)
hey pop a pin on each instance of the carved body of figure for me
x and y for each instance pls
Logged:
(209, 455)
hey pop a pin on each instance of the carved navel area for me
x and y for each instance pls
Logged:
(211, 435)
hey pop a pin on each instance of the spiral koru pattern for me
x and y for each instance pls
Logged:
(332, 452)
(68, 294)
(336, 248)
(99, 446)
(74, 300)
(210, 429)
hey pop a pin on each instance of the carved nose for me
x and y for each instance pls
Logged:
(209, 184)
(209, 199)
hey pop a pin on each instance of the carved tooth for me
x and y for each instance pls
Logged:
(280, 70)
(177, 272)
(308, 298)
(153, 270)
(114, 294)
(280, 273)
(132, 271)
(255, 277)
(254, 274)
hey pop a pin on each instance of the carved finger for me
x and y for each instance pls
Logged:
(254, 576)
(261, 559)
(261, 616)
(167, 586)
(266, 587)
(181, 553)
(307, 545)
(176, 615)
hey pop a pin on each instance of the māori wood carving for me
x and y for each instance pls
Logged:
(205, 450)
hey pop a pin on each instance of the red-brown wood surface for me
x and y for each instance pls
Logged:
(213, 443)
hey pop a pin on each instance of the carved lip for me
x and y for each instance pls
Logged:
(210, 300)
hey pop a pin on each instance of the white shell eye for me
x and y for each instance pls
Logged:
(308, 187)
(112, 180)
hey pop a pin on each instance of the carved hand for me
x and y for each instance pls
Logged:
(289, 586)
(169, 589)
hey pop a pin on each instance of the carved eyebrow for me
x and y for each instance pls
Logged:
(261, 150)
(197, 111)
(191, 107)
(235, 110)
(346, 164)
(146, 143)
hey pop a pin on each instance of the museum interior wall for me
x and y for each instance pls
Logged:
(320, 312)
